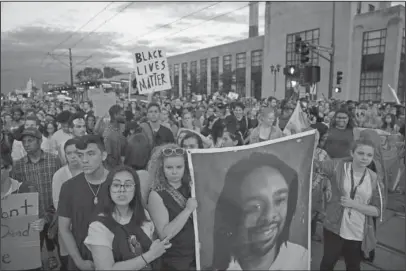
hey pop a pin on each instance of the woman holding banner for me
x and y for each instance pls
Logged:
(171, 206)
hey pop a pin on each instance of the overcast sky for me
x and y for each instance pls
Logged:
(31, 29)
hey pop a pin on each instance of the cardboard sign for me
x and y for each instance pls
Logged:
(102, 101)
(232, 95)
(151, 71)
(20, 245)
(251, 199)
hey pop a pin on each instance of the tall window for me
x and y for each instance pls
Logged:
(292, 58)
(176, 79)
(227, 62)
(193, 76)
(214, 63)
(203, 76)
(185, 82)
(256, 74)
(401, 81)
(373, 55)
(227, 75)
(240, 73)
(312, 36)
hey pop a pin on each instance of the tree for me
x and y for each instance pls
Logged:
(89, 74)
(110, 72)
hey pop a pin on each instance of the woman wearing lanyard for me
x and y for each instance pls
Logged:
(355, 201)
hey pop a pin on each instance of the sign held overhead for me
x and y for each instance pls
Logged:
(151, 71)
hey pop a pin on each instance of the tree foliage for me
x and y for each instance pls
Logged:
(89, 74)
(110, 72)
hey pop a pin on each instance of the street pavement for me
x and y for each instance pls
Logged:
(390, 253)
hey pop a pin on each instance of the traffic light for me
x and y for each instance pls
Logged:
(304, 58)
(292, 71)
(337, 90)
(311, 74)
(298, 44)
(339, 77)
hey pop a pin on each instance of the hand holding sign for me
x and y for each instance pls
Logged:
(38, 225)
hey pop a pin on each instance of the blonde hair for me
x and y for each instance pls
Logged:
(156, 167)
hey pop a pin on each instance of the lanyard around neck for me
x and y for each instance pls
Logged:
(353, 187)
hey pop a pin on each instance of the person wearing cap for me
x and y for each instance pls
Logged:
(37, 169)
(18, 151)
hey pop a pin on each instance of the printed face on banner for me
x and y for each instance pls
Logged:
(254, 205)
(151, 71)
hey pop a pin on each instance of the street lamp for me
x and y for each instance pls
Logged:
(275, 70)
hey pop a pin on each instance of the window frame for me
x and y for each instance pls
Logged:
(370, 85)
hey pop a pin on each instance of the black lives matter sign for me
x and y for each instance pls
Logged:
(151, 71)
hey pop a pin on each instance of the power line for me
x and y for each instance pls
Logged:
(205, 21)
(178, 20)
(169, 24)
(76, 31)
(106, 21)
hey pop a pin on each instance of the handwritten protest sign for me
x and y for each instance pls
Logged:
(241, 191)
(20, 245)
(101, 101)
(151, 71)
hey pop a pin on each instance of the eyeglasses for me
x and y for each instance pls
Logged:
(116, 187)
(173, 152)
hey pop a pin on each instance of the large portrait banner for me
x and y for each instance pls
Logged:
(254, 204)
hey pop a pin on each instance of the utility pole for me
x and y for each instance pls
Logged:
(331, 75)
(71, 67)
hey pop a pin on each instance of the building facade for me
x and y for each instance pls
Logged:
(369, 48)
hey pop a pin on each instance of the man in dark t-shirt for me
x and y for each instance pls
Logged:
(79, 198)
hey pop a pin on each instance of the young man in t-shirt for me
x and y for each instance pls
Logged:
(78, 199)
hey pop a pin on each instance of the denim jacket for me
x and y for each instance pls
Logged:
(334, 169)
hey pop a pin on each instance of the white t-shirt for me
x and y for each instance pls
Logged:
(59, 139)
(60, 177)
(291, 257)
(100, 235)
(352, 226)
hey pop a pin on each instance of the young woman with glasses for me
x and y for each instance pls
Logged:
(171, 206)
(120, 236)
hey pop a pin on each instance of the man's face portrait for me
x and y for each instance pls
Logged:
(264, 199)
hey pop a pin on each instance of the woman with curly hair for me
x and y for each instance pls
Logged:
(171, 206)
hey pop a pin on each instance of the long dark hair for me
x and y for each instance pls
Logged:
(229, 212)
(350, 124)
(107, 205)
(392, 121)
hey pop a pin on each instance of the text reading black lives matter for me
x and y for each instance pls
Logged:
(151, 75)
